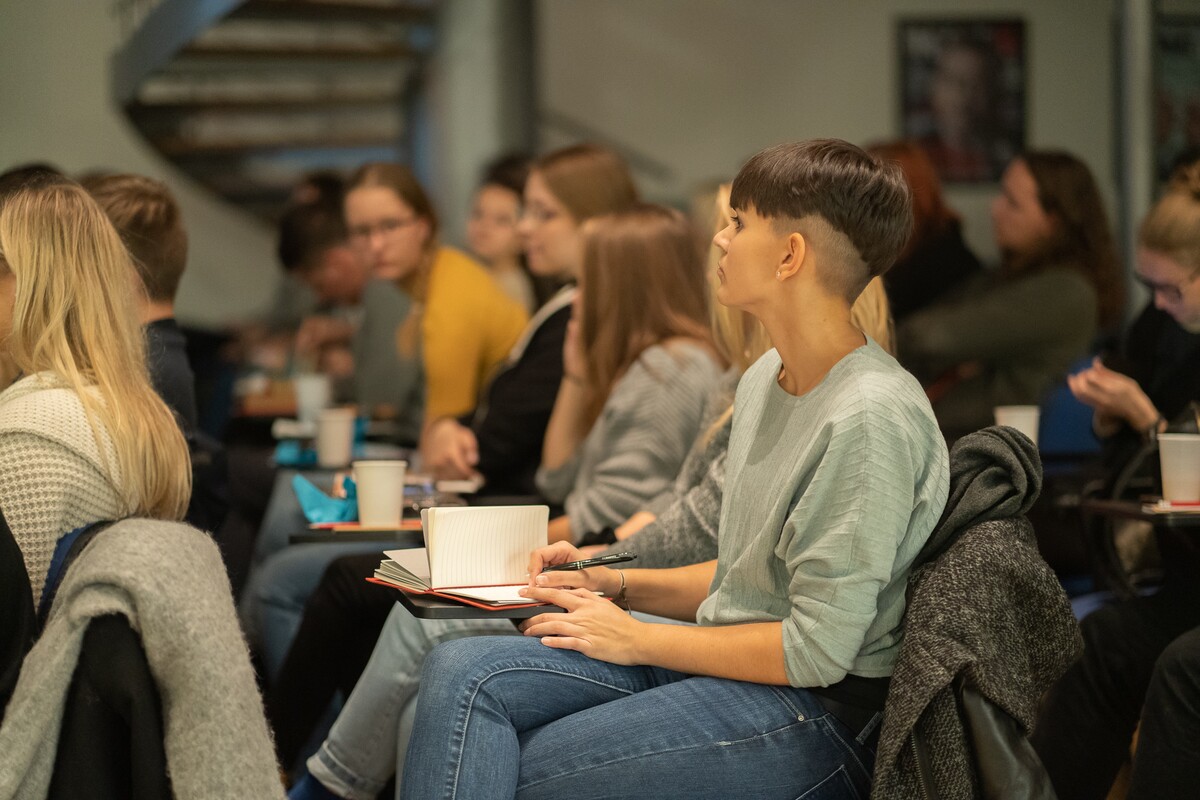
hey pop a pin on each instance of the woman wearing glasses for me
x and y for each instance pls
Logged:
(1007, 336)
(1141, 656)
(463, 324)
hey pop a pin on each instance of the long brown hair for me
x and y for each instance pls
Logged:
(589, 180)
(1082, 236)
(74, 315)
(642, 284)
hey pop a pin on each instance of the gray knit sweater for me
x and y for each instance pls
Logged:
(637, 446)
(52, 478)
(685, 531)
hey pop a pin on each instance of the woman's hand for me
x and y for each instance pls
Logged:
(592, 625)
(543, 575)
(574, 361)
(450, 450)
(1113, 396)
(634, 524)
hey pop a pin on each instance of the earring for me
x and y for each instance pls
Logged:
(779, 274)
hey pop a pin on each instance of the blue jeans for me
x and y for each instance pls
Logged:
(507, 717)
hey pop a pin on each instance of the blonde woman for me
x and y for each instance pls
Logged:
(83, 435)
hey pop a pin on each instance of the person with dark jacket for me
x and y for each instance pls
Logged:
(1088, 719)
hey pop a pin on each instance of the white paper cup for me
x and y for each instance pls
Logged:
(380, 492)
(313, 393)
(1179, 454)
(335, 437)
(1023, 418)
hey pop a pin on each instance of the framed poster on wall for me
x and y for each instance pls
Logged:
(1176, 91)
(962, 93)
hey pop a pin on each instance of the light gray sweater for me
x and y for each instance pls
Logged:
(828, 499)
(636, 447)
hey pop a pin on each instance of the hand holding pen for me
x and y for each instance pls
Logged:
(563, 566)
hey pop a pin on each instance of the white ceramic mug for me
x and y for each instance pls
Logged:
(1023, 418)
(380, 492)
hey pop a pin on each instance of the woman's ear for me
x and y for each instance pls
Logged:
(795, 249)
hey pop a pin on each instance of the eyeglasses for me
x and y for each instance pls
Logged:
(1171, 292)
(539, 215)
(385, 228)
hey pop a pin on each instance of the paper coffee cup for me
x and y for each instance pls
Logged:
(313, 393)
(335, 437)
(380, 492)
(1023, 418)
(1179, 455)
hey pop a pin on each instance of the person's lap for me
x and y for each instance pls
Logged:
(586, 728)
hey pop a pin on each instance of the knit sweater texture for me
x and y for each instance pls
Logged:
(52, 477)
(635, 448)
(169, 581)
(829, 497)
(685, 530)
(983, 605)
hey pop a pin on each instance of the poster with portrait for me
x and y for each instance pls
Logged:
(963, 93)
(1176, 91)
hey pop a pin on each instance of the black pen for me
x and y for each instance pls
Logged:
(599, 561)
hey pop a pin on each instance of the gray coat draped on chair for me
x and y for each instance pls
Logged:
(985, 611)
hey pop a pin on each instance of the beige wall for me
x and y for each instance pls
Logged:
(700, 84)
(55, 106)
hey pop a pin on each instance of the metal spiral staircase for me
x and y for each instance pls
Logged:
(245, 96)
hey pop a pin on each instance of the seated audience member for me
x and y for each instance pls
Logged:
(492, 232)
(74, 430)
(462, 325)
(151, 227)
(501, 441)
(1088, 719)
(638, 363)
(361, 753)
(835, 476)
(936, 259)
(1005, 338)
(353, 337)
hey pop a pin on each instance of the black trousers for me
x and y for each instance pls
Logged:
(111, 744)
(1088, 718)
(1167, 764)
(342, 620)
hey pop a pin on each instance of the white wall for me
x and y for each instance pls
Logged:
(55, 106)
(701, 84)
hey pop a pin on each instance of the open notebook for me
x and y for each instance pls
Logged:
(478, 556)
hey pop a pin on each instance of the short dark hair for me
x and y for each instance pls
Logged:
(147, 218)
(307, 231)
(33, 174)
(857, 195)
(508, 172)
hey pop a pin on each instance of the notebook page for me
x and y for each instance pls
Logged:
(483, 545)
(414, 560)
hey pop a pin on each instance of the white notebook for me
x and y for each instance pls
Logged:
(476, 552)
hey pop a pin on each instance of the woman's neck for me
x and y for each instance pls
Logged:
(811, 346)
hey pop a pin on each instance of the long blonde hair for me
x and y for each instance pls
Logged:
(74, 315)
(642, 284)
